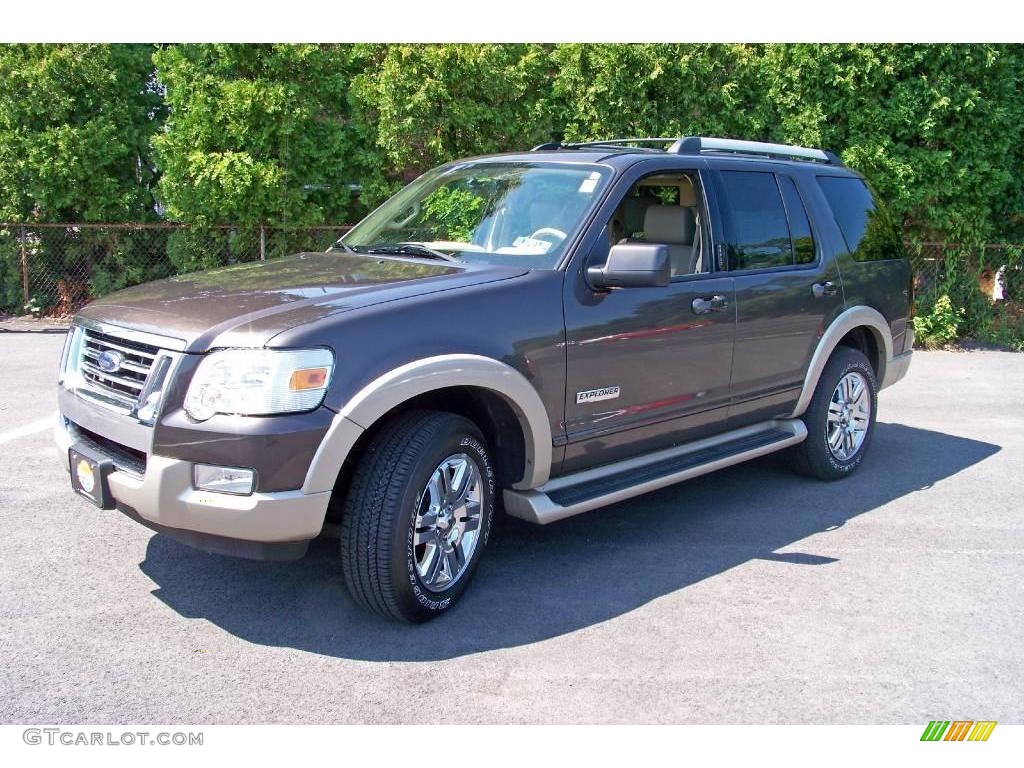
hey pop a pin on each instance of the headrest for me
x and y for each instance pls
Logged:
(669, 224)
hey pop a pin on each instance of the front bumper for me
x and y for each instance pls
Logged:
(264, 525)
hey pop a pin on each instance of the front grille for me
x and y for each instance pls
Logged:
(124, 384)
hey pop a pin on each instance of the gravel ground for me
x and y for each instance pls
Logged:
(748, 596)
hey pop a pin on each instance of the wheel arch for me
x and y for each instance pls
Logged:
(495, 396)
(866, 340)
(859, 327)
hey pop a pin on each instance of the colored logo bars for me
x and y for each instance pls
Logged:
(958, 730)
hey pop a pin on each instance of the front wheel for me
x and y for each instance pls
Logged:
(417, 515)
(840, 419)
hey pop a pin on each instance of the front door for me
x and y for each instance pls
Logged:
(648, 367)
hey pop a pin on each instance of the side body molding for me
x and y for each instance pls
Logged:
(853, 317)
(405, 382)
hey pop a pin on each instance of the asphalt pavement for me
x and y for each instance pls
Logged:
(749, 596)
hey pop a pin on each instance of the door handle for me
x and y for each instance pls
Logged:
(702, 305)
(828, 288)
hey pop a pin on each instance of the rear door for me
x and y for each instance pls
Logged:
(787, 287)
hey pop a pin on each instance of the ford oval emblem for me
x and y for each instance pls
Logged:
(109, 360)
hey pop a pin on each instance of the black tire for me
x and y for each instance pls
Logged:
(379, 514)
(814, 457)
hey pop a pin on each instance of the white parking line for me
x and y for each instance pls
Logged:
(39, 425)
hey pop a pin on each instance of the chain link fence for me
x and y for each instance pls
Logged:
(946, 268)
(53, 269)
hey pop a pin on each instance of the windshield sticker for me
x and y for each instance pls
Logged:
(531, 245)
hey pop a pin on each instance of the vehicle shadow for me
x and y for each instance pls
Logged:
(540, 582)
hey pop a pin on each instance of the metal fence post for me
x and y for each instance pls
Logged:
(24, 265)
(263, 243)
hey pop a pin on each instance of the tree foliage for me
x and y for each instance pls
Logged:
(260, 133)
(657, 90)
(276, 133)
(75, 128)
(935, 127)
(433, 103)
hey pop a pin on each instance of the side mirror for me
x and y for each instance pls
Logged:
(633, 265)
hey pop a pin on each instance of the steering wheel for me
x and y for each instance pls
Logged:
(551, 232)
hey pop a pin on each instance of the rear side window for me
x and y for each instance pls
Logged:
(768, 222)
(758, 232)
(867, 227)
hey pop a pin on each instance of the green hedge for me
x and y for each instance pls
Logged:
(279, 134)
(276, 134)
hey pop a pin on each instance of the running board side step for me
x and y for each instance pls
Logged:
(592, 488)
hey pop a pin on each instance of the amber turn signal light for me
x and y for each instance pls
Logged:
(307, 378)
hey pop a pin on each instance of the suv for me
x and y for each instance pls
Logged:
(546, 332)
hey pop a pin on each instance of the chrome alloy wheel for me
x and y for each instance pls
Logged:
(448, 522)
(849, 414)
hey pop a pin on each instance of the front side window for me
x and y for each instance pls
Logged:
(758, 233)
(867, 227)
(523, 214)
(665, 208)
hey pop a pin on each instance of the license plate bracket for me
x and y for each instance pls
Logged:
(89, 474)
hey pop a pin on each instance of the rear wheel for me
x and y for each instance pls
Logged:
(417, 515)
(840, 418)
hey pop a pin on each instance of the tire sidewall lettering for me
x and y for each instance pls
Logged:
(438, 602)
(849, 466)
(484, 460)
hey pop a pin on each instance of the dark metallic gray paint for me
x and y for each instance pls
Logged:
(682, 376)
(517, 320)
(246, 304)
(672, 365)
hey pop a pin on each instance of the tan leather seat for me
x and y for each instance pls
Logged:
(676, 227)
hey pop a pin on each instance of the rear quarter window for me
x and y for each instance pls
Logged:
(866, 225)
(799, 224)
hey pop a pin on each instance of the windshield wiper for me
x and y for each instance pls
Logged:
(342, 245)
(409, 249)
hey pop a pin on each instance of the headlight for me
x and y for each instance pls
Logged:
(69, 374)
(259, 382)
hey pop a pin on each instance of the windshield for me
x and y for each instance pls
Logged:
(522, 214)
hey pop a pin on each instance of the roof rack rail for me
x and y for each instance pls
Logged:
(694, 145)
(604, 143)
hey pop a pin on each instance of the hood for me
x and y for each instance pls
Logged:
(247, 304)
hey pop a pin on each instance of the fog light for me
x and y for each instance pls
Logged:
(240, 482)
